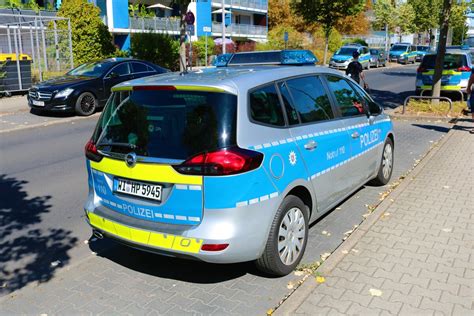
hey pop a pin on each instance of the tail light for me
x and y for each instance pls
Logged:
(228, 161)
(91, 152)
(464, 69)
(214, 247)
(420, 70)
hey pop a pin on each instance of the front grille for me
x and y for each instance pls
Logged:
(40, 95)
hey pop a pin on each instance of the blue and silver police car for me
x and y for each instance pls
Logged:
(344, 55)
(403, 53)
(232, 164)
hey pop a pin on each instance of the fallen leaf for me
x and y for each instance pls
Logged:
(375, 292)
(446, 187)
(355, 250)
(345, 252)
(338, 208)
(365, 215)
(349, 232)
(325, 255)
(86, 241)
(320, 279)
(447, 230)
(329, 234)
(55, 263)
(299, 273)
(270, 311)
(4, 285)
(324, 232)
(94, 253)
(290, 286)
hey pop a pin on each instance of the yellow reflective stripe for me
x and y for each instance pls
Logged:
(445, 72)
(144, 237)
(451, 88)
(122, 88)
(145, 172)
(199, 88)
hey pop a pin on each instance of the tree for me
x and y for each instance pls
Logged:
(276, 41)
(281, 13)
(327, 13)
(353, 25)
(91, 40)
(160, 49)
(406, 19)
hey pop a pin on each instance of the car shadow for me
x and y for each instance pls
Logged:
(389, 99)
(27, 251)
(50, 113)
(170, 267)
(436, 128)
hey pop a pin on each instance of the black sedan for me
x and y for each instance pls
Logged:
(377, 58)
(86, 88)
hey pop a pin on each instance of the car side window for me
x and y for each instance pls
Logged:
(121, 69)
(310, 99)
(265, 106)
(287, 102)
(139, 67)
(374, 108)
(348, 101)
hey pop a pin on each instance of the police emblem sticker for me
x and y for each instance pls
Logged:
(292, 158)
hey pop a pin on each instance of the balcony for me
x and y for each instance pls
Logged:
(241, 30)
(253, 4)
(162, 25)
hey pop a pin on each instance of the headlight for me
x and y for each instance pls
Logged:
(64, 93)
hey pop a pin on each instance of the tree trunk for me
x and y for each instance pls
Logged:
(182, 39)
(326, 47)
(436, 89)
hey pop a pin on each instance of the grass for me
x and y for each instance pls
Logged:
(426, 107)
(46, 75)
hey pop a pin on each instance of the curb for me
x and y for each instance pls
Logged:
(289, 306)
(45, 124)
(424, 118)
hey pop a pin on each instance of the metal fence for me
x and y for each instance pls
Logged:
(46, 39)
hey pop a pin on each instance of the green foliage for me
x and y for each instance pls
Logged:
(356, 41)
(33, 5)
(406, 18)
(160, 49)
(428, 13)
(276, 41)
(385, 14)
(199, 49)
(139, 10)
(14, 4)
(91, 39)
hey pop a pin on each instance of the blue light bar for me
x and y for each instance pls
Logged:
(221, 60)
(277, 57)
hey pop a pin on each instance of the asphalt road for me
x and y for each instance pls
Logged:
(42, 230)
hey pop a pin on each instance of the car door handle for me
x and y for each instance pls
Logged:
(355, 135)
(310, 145)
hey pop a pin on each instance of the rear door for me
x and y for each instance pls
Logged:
(322, 141)
(141, 70)
(364, 135)
(143, 135)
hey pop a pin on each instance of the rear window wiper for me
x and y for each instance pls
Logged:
(127, 145)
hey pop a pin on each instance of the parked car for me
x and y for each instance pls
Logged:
(402, 53)
(377, 58)
(457, 68)
(421, 51)
(233, 164)
(343, 56)
(86, 88)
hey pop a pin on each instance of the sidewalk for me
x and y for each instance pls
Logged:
(417, 258)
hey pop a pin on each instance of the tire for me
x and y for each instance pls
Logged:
(293, 215)
(377, 64)
(386, 165)
(86, 104)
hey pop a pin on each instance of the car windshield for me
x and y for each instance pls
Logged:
(167, 124)
(423, 48)
(451, 61)
(92, 69)
(399, 47)
(346, 51)
(374, 51)
(469, 42)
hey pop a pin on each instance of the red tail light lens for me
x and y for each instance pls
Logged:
(221, 162)
(91, 152)
(464, 69)
(214, 247)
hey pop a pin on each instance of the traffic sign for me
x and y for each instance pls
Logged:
(206, 29)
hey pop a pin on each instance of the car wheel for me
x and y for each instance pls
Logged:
(86, 104)
(386, 165)
(287, 238)
(377, 64)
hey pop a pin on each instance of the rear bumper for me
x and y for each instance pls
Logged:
(245, 229)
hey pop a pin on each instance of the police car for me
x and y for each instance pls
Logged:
(457, 66)
(233, 164)
(343, 56)
(403, 53)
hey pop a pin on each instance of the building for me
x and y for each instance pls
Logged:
(245, 19)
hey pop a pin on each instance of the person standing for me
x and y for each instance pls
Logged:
(354, 69)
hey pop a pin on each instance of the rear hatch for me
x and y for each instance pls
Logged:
(454, 66)
(142, 138)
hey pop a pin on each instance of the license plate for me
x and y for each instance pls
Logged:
(136, 188)
(37, 103)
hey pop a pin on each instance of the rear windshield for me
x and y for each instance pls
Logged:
(423, 48)
(167, 124)
(399, 48)
(374, 51)
(346, 51)
(451, 61)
